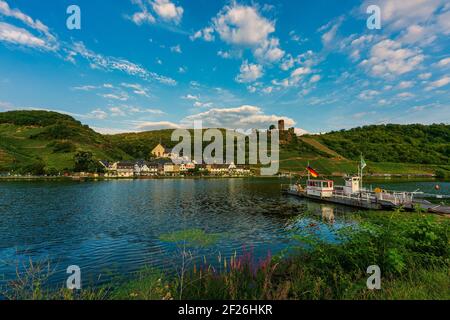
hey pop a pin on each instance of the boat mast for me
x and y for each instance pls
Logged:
(361, 172)
(308, 171)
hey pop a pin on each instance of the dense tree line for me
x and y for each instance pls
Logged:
(393, 143)
(34, 118)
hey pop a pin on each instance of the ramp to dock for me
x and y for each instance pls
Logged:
(436, 208)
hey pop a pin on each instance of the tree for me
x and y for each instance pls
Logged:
(84, 162)
(35, 168)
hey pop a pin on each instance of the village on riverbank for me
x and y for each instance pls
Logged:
(163, 165)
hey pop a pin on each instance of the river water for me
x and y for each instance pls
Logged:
(116, 227)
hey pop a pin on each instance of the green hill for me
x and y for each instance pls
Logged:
(30, 140)
(49, 140)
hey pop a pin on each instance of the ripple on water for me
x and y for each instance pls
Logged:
(114, 227)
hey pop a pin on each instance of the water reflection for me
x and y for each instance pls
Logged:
(328, 214)
(117, 225)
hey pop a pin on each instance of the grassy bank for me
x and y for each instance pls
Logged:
(411, 249)
(341, 167)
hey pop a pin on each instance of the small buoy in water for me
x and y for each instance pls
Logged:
(437, 187)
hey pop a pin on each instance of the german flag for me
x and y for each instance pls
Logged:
(313, 172)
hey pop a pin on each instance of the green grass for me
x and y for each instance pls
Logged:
(339, 167)
(411, 249)
(21, 146)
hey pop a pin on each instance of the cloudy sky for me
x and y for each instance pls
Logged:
(146, 64)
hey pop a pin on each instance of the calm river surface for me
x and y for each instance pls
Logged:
(114, 227)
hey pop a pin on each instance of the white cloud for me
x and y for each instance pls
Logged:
(362, 40)
(329, 36)
(176, 49)
(315, 78)
(140, 18)
(117, 111)
(249, 72)
(444, 62)
(108, 130)
(405, 84)
(388, 58)
(295, 78)
(111, 96)
(143, 16)
(243, 26)
(405, 95)
(98, 61)
(6, 105)
(269, 51)
(206, 34)
(438, 83)
(443, 22)
(164, 9)
(425, 76)
(300, 131)
(127, 110)
(418, 34)
(224, 54)
(149, 125)
(287, 63)
(400, 14)
(268, 90)
(167, 10)
(244, 117)
(99, 114)
(153, 111)
(190, 97)
(21, 35)
(330, 30)
(295, 37)
(136, 88)
(368, 94)
(199, 104)
(251, 89)
(300, 72)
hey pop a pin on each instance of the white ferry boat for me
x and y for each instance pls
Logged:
(352, 193)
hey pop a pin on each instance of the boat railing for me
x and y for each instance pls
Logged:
(354, 196)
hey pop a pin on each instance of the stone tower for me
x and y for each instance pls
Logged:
(281, 125)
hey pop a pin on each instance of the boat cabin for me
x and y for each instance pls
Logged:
(352, 185)
(320, 188)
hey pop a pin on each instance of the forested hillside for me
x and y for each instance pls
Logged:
(393, 143)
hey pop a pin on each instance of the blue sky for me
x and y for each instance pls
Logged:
(147, 64)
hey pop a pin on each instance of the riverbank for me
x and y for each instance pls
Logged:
(368, 178)
(100, 178)
(411, 250)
